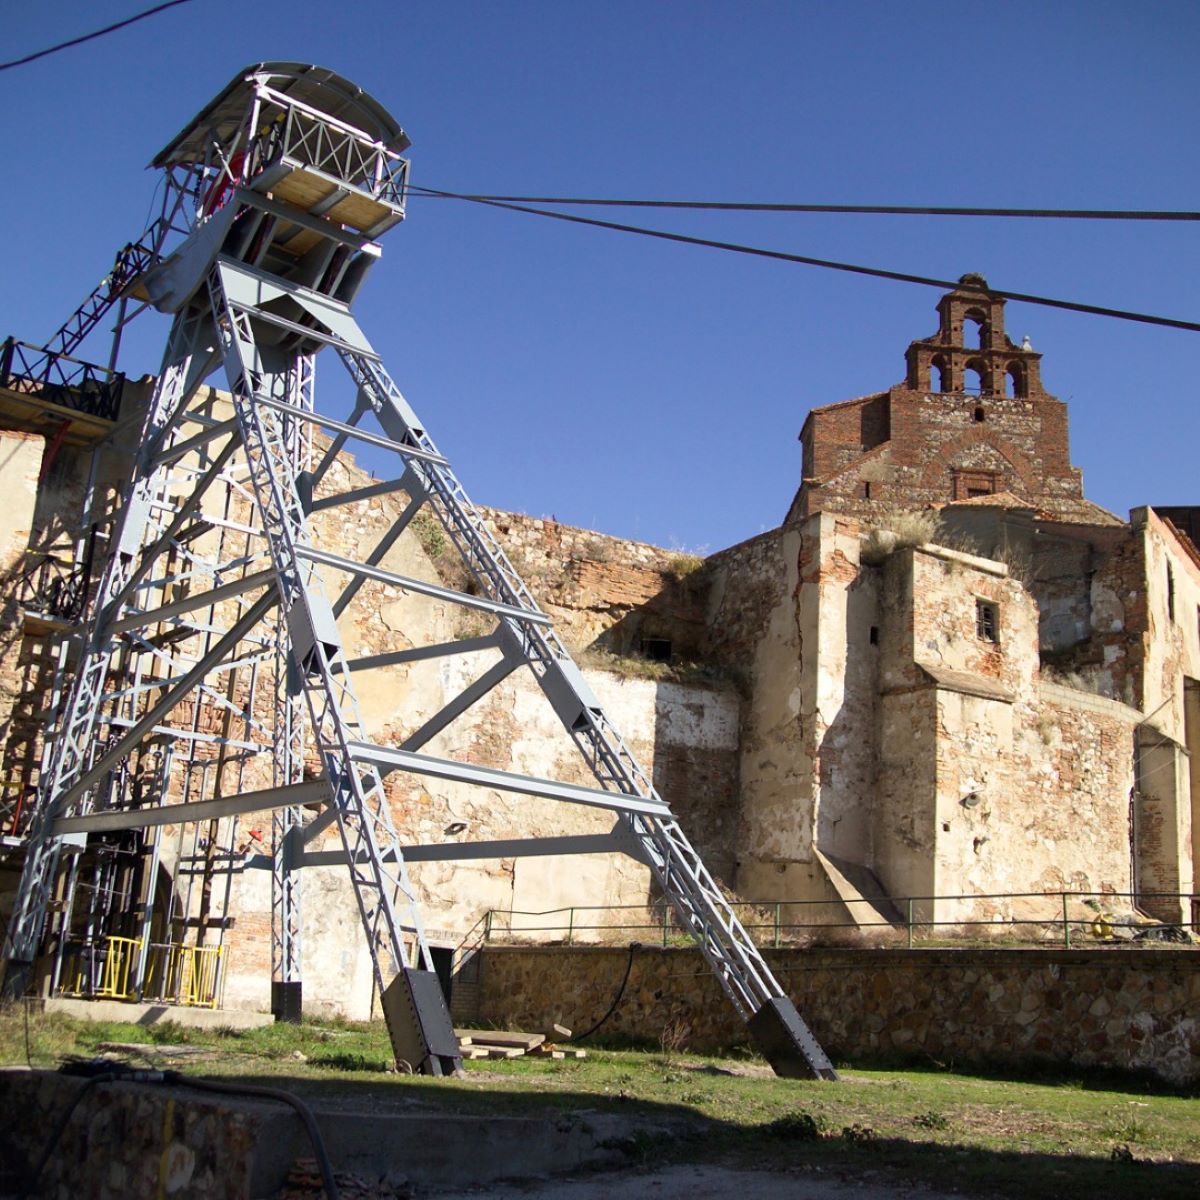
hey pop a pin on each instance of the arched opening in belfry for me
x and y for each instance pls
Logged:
(973, 378)
(1014, 381)
(939, 375)
(975, 329)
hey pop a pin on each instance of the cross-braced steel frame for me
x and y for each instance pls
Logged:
(285, 201)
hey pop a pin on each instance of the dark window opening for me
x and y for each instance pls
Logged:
(443, 965)
(987, 621)
(965, 485)
(874, 635)
(979, 413)
(656, 649)
(867, 490)
(1170, 593)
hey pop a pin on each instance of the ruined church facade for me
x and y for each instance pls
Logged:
(946, 675)
(1001, 704)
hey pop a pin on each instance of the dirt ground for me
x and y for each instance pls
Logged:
(701, 1182)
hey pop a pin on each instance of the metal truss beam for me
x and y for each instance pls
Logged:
(224, 591)
(315, 792)
(131, 736)
(396, 658)
(469, 696)
(508, 781)
(348, 566)
(349, 430)
(538, 847)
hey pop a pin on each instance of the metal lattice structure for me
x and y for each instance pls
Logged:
(274, 195)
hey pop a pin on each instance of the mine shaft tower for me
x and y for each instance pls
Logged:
(275, 194)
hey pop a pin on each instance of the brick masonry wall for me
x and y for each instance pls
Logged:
(603, 590)
(1133, 1010)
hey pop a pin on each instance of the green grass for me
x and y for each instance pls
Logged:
(1071, 1138)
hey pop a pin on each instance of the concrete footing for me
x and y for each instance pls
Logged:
(152, 1014)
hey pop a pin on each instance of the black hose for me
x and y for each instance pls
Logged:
(612, 1008)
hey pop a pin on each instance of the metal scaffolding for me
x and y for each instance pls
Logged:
(221, 628)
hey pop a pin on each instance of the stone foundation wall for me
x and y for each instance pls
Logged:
(1136, 1010)
(130, 1140)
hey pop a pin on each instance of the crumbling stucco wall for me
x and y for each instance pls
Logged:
(20, 465)
(990, 781)
(776, 833)
(1165, 809)
(684, 734)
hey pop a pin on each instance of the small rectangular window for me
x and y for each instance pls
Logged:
(1170, 593)
(656, 649)
(987, 621)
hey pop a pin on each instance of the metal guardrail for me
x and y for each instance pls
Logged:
(56, 586)
(108, 968)
(1094, 916)
(317, 141)
(60, 379)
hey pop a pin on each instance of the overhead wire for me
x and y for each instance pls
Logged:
(903, 210)
(825, 263)
(89, 37)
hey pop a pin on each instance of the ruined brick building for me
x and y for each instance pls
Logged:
(946, 673)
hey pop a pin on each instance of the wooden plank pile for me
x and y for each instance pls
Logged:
(511, 1043)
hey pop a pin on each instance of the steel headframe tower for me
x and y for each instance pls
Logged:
(275, 193)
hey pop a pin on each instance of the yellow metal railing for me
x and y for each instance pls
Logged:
(189, 975)
(113, 972)
(175, 974)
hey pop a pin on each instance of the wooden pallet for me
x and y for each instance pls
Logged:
(510, 1043)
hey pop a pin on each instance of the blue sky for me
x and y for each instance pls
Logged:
(649, 390)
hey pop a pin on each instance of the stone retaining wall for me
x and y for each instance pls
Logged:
(126, 1140)
(1136, 1010)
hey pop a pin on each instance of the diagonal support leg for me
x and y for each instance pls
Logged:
(421, 1033)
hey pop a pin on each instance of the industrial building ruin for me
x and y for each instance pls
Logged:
(216, 671)
(945, 675)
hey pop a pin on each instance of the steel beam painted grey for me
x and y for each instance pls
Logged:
(395, 658)
(507, 781)
(538, 847)
(314, 792)
(453, 709)
(349, 430)
(350, 567)
(224, 591)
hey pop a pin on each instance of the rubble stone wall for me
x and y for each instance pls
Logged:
(1136, 1010)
